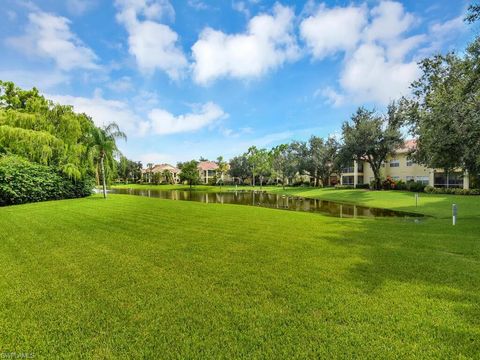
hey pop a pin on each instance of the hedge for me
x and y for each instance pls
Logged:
(23, 182)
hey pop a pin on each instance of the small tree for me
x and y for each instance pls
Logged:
(370, 137)
(189, 173)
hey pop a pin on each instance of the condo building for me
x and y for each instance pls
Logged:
(400, 167)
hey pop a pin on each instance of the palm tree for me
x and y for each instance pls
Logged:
(150, 167)
(105, 146)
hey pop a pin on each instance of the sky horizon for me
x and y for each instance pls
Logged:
(211, 78)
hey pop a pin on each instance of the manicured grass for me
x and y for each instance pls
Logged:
(135, 277)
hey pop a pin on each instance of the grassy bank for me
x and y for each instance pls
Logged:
(138, 277)
(438, 205)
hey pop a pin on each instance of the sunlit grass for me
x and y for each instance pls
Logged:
(134, 277)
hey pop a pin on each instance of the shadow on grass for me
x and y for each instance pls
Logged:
(434, 267)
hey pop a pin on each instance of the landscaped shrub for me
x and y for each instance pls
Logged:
(22, 182)
(388, 184)
(453, 191)
(363, 186)
(415, 186)
(401, 185)
(344, 187)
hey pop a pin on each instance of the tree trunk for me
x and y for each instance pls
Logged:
(261, 182)
(103, 178)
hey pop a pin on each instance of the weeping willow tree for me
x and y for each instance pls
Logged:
(53, 135)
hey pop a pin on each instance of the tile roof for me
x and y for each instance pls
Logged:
(161, 167)
(207, 165)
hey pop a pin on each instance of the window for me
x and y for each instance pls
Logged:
(347, 180)
(394, 163)
(422, 179)
(396, 178)
(360, 180)
(409, 162)
(349, 169)
(410, 178)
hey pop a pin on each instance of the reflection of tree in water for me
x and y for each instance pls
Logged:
(264, 199)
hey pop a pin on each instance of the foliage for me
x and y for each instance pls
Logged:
(129, 170)
(22, 181)
(105, 147)
(319, 158)
(370, 137)
(189, 173)
(285, 161)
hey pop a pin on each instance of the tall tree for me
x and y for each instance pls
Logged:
(239, 168)
(320, 159)
(222, 168)
(104, 144)
(370, 137)
(189, 172)
(284, 162)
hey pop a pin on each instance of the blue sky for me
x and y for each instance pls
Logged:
(196, 78)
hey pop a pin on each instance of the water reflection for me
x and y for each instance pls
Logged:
(263, 199)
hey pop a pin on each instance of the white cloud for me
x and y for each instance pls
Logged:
(389, 21)
(442, 32)
(79, 7)
(164, 122)
(377, 65)
(198, 4)
(49, 36)
(332, 96)
(332, 30)
(121, 85)
(104, 111)
(157, 122)
(268, 43)
(42, 80)
(154, 45)
(369, 75)
(241, 7)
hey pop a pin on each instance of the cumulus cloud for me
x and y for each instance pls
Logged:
(158, 121)
(268, 43)
(369, 75)
(377, 63)
(329, 31)
(153, 44)
(164, 122)
(104, 111)
(49, 36)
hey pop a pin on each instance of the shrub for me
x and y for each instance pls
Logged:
(343, 187)
(429, 189)
(388, 184)
(415, 186)
(401, 185)
(363, 186)
(22, 182)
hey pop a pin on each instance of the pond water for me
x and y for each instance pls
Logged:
(274, 201)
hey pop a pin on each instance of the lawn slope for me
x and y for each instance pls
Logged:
(139, 277)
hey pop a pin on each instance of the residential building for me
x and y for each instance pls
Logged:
(150, 174)
(208, 171)
(399, 166)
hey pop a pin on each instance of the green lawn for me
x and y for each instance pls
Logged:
(135, 277)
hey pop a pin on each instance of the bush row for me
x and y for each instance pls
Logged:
(22, 182)
(454, 191)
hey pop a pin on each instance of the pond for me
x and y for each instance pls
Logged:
(274, 201)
